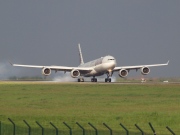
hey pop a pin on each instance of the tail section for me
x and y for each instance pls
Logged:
(80, 55)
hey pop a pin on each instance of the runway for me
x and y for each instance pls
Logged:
(87, 82)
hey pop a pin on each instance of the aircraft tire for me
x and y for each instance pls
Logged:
(80, 79)
(108, 80)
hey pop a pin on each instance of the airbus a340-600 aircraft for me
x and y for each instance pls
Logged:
(104, 65)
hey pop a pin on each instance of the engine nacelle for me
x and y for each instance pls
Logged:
(123, 73)
(46, 71)
(145, 70)
(75, 73)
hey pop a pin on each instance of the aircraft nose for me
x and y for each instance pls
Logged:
(113, 64)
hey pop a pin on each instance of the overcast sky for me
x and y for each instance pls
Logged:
(46, 32)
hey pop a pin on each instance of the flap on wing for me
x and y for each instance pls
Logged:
(62, 68)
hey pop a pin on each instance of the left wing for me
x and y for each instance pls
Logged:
(138, 67)
(56, 68)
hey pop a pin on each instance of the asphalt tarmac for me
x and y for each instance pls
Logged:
(90, 82)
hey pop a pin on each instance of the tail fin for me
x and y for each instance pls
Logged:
(80, 55)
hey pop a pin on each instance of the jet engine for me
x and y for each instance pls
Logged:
(75, 73)
(46, 71)
(145, 70)
(123, 73)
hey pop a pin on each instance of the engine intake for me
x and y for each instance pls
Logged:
(75, 73)
(145, 70)
(123, 73)
(46, 71)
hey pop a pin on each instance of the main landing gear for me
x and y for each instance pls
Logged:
(108, 80)
(80, 79)
(93, 79)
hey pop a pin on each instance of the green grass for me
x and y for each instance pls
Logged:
(95, 103)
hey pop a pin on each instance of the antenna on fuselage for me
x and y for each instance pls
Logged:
(80, 55)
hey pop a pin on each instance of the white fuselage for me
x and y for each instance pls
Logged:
(100, 66)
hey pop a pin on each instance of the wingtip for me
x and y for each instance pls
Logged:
(11, 63)
(167, 62)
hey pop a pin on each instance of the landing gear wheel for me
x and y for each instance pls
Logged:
(80, 79)
(93, 79)
(107, 79)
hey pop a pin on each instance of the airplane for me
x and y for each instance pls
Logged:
(104, 65)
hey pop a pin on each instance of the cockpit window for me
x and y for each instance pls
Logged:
(110, 59)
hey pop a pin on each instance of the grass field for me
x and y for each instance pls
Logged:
(113, 104)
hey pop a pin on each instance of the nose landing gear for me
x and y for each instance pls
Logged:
(109, 74)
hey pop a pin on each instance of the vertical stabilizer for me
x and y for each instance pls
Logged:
(80, 55)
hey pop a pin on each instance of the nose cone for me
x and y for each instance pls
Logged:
(114, 63)
(111, 62)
